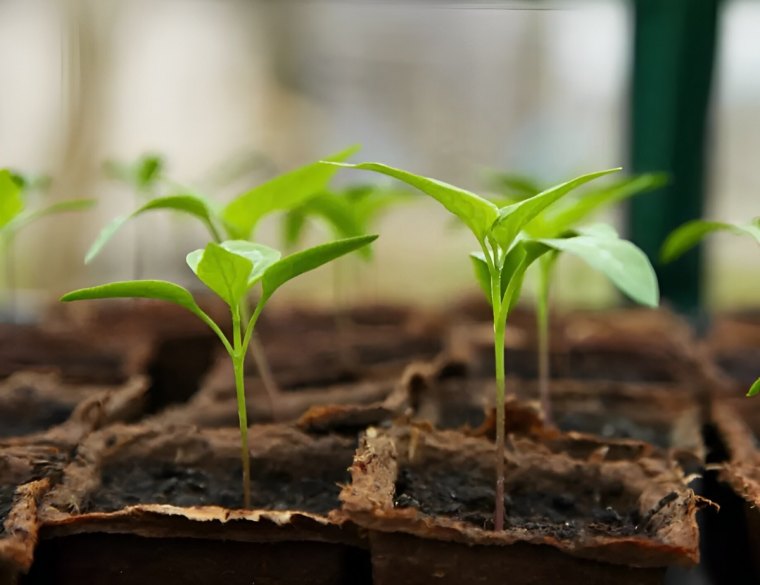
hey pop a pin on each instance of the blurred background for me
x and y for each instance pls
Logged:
(232, 91)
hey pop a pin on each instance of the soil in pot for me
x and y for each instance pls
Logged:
(181, 487)
(596, 522)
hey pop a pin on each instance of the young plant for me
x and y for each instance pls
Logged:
(16, 214)
(236, 220)
(506, 253)
(691, 233)
(231, 269)
(562, 219)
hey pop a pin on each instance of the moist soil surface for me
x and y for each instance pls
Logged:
(741, 364)
(155, 482)
(565, 513)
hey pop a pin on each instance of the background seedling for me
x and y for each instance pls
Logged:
(15, 214)
(235, 220)
(557, 221)
(691, 233)
(346, 213)
(231, 269)
(505, 254)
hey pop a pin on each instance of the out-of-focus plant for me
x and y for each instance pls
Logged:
(688, 235)
(16, 212)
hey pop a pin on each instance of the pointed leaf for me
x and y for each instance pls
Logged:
(60, 207)
(689, 234)
(475, 212)
(145, 289)
(301, 262)
(619, 260)
(260, 256)
(11, 202)
(224, 272)
(568, 216)
(282, 193)
(190, 204)
(754, 389)
(515, 217)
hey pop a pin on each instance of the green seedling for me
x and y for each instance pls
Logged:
(557, 221)
(236, 220)
(505, 254)
(685, 237)
(231, 269)
(15, 214)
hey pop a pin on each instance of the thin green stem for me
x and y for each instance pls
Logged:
(499, 326)
(542, 322)
(238, 364)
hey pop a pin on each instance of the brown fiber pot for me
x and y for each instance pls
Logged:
(25, 473)
(426, 498)
(664, 416)
(146, 504)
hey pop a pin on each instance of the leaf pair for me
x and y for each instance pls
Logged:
(239, 218)
(230, 269)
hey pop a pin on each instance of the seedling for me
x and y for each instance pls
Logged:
(691, 233)
(505, 254)
(347, 212)
(236, 220)
(231, 269)
(16, 214)
(559, 220)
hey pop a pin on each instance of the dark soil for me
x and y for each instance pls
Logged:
(6, 502)
(573, 508)
(154, 482)
(613, 427)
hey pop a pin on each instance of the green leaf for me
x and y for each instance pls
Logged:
(282, 193)
(140, 174)
(569, 215)
(754, 389)
(224, 272)
(11, 202)
(513, 218)
(145, 289)
(190, 204)
(301, 262)
(514, 186)
(619, 260)
(293, 225)
(689, 234)
(475, 212)
(482, 274)
(260, 256)
(60, 207)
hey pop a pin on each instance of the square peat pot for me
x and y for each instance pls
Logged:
(666, 417)
(427, 500)
(25, 473)
(623, 346)
(42, 408)
(145, 504)
(362, 399)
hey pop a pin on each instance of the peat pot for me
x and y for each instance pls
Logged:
(144, 504)
(426, 498)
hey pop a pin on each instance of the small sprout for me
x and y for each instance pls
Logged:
(691, 233)
(143, 175)
(231, 269)
(506, 252)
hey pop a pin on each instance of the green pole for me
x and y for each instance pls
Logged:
(674, 54)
